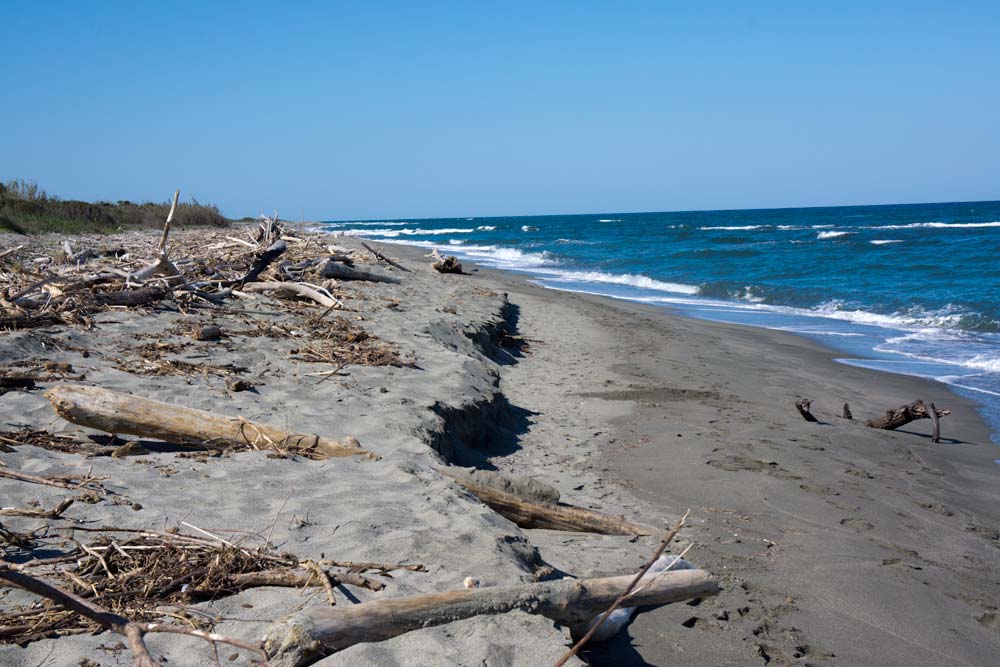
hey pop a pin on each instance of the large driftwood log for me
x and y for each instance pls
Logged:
(340, 271)
(560, 516)
(305, 637)
(117, 413)
(133, 297)
(904, 414)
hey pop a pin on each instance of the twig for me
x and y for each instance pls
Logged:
(621, 598)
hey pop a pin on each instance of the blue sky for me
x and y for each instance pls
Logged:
(388, 110)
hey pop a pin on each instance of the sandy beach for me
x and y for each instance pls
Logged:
(834, 544)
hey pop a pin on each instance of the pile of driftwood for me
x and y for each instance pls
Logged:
(75, 283)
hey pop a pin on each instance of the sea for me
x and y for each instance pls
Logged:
(911, 288)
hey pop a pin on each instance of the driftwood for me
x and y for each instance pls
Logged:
(305, 637)
(339, 271)
(935, 423)
(904, 414)
(802, 405)
(163, 266)
(449, 264)
(847, 412)
(133, 632)
(295, 289)
(561, 516)
(378, 255)
(134, 297)
(272, 253)
(117, 413)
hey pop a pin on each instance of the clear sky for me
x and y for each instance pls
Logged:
(422, 109)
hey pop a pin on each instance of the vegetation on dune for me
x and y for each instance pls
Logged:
(27, 209)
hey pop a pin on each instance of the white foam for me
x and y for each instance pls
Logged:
(528, 228)
(392, 233)
(368, 224)
(939, 225)
(630, 279)
(831, 235)
(485, 228)
(610, 220)
(884, 241)
(737, 228)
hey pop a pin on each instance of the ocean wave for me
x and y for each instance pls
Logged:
(610, 220)
(831, 235)
(528, 228)
(392, 233)
(736, 227)
(367, 224)
(629, 279)
(884, 241)
(485, 228)
(938, 225)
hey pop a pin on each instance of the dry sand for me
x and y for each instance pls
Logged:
(836, 544)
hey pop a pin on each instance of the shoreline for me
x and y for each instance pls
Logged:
(621, 407)
(906, 529)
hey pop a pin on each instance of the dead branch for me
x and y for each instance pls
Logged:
(54, 513)
(378, 255)
(295, 289)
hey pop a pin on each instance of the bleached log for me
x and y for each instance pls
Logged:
(449, 264)
(296, 289)
(305, 637)
(118, 413)
(560, 516)
(339, 271)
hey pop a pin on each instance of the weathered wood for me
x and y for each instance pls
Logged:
(378, 255)
(449, 264)
(935, 423)
(802, 405)
(118, 413)
(904, 414)
(265, 259)
(305, 637)
(560, 516)
(133, 297)
(28, 321)
(847, 412)
(295, 289)
(341, 271)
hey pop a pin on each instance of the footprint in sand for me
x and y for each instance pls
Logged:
(856, 523)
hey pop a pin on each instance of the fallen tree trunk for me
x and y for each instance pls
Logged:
(305, 637)
(117, 414)
(528, 514)
(333, 269)
(904, 414)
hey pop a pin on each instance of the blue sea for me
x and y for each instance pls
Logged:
(912, 289)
